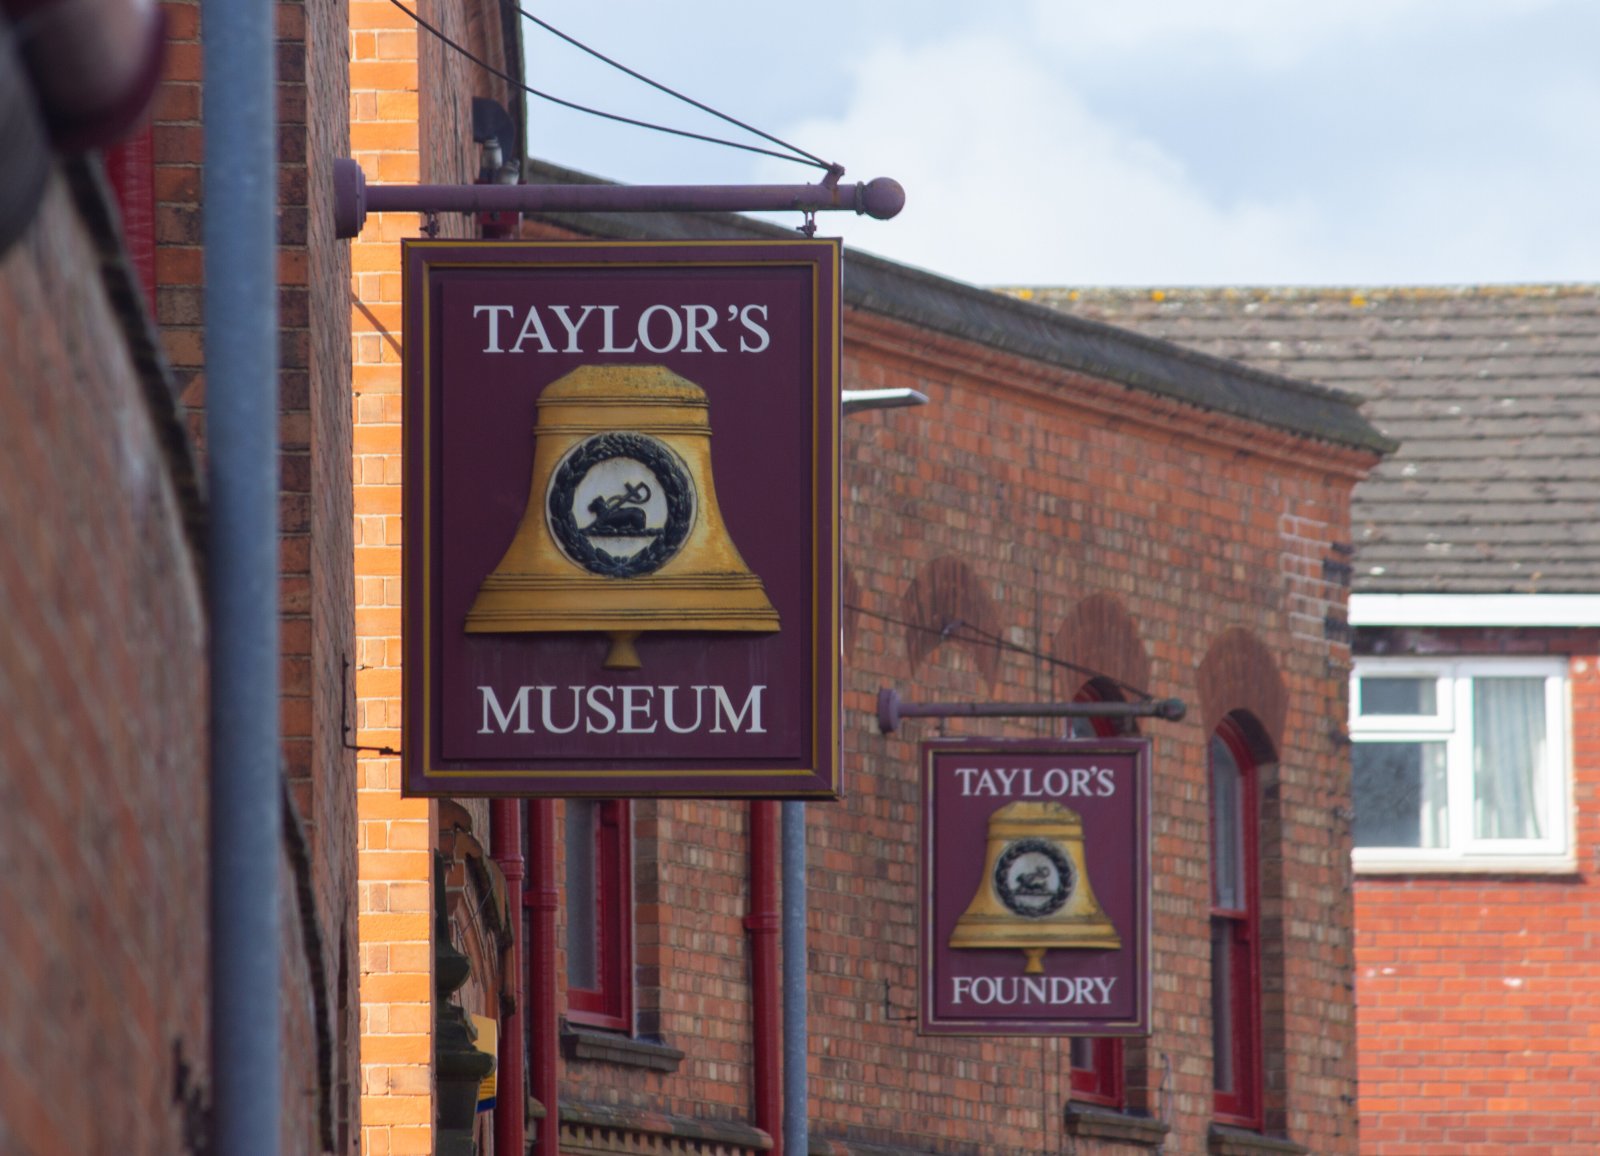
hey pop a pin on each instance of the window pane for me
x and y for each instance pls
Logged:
(1400, 696)
(1082, 1053)
(1227, 821)
(582, 964)
(1399, 792)
(1222, 1005)
(1508, 757)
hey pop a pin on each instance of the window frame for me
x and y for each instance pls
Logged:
(1452, 726)
(1242, 1104)
(609, 1005)
(1102, 1081)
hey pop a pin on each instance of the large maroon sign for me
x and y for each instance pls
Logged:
(621, 519)
(1035, 888)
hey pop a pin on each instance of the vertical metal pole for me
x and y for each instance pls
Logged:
(239, 182)
(796, 1093)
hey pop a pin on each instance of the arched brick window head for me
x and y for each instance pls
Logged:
(947, 602)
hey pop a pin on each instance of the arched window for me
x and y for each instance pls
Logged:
(1235, 929)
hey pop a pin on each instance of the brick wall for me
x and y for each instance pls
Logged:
(1053, 490)
(411, 121)
(395, 907)
(103, 981)
(1066, 515)
(1479, 997)
(316, 587)
(395, 835)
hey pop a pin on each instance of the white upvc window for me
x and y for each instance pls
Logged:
(1460, 764)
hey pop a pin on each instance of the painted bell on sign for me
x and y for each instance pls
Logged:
(1034, 893)
(622, 532)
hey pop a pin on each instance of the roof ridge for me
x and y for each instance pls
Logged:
(1159, 293)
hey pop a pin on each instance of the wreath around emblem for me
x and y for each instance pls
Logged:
(1055, 900)
(675, 488)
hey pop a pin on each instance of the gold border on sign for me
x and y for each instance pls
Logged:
(827, 660)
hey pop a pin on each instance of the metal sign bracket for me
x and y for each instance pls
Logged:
(892, 708)
(353, 198)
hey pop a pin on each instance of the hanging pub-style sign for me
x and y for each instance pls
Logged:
(621, 519)
(1035, 914)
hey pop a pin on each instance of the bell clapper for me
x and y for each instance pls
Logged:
(1035, 957)
(623, 655)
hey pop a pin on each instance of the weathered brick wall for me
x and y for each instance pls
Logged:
(1018, 497)
(411, 121)
(103, 981)
(316, 510)
(178, 148)
(1479, 997)
(316, 586)
(1052, 490)
(395, 835)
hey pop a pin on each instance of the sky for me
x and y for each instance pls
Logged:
(1126, 142)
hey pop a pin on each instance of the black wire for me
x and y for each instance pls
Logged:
(1005, 644)
(950, 629)
(531, 91)
(659, 87)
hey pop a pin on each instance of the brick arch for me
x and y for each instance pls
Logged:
(1240, 677)
(945, 594)
(1099, 634)
(1242, 692)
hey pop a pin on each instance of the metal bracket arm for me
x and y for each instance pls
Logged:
(353, 198)
(891, 709)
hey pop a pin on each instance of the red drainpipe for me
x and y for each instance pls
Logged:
(511, 1107)
(131, 169)
(541, 900)
(766, 996)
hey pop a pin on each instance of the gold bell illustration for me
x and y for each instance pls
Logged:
(622, 532)
(1035, 893)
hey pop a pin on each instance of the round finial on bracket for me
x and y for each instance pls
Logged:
(880, 198)
(349, 198)
(888, 711)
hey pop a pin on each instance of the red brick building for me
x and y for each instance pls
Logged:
(104, 758)
(1474, 712)
(102, 684)
(1077, 511)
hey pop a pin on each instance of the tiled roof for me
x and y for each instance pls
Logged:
(1493, 394)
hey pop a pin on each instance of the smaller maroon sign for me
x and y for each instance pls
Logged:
(1035, 912)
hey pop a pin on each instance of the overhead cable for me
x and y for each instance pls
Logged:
(659, 87)
(796, 156)
(961, 631)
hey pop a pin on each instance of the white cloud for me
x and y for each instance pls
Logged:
(1268, 33)
(1010, 177)
(1152, 141)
